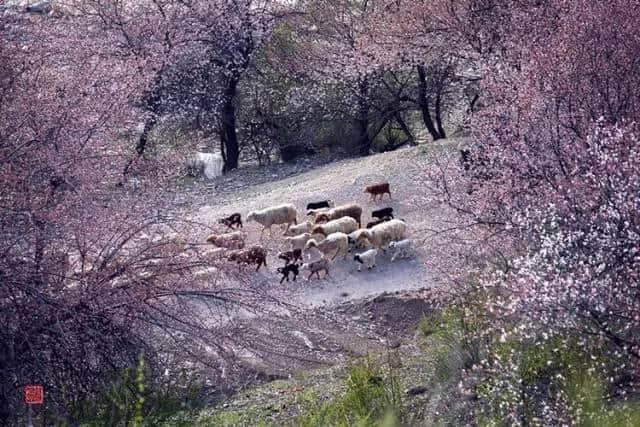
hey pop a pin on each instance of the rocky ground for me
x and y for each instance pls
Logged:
(381, 330)
(350, 314)
(342, 181)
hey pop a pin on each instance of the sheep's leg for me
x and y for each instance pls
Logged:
(282, 280)
(326, 273)
(309, 278)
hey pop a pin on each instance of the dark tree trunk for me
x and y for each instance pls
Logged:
(223, 152)
(364, 142)
(410, 139)
(439, 115)
(423, 103)
(5, 411)
(472, 104)
(142, 141)
(228, 125)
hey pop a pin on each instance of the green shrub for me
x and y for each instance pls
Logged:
(453, 341)
(368, 400)
(389, 138)
(587, 396)
(135, 400)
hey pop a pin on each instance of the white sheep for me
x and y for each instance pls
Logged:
(345, 225)
(336, 243)
(382, 234)
(367, 258)
(233, 240)
(311, 253)
(314, 212)
(281, 214)
(303, 227)
(400, 249)
(352, 210)
(354, 237)
(298, 242)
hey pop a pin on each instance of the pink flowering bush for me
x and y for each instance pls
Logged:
(93, 272)
(551, 197)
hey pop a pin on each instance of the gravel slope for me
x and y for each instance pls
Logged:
(342, 181)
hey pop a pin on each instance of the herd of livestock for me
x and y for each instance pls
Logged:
(330, 232)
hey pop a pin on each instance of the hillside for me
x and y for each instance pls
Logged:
(350, 314)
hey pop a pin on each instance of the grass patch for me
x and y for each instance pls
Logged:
(369, 399)
(133, 400)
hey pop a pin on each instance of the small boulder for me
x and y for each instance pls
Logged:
(414, 391)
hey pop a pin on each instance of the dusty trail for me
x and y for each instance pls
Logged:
(343, 182)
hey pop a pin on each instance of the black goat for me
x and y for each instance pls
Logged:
(381, 213)
(319, 205)
(289, 268)
(231, 220)
(290, 256)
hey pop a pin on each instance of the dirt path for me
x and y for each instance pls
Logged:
(342, 181)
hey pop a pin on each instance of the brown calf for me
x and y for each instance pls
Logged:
(378, 190)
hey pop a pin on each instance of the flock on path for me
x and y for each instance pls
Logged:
(330, 232)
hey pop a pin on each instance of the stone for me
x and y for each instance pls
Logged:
(416, 390)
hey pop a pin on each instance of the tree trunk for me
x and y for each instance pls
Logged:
(142, 141)
(228, 125)
(364, 142)
(423, 103)
(439, 115)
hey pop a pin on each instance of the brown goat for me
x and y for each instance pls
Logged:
(253, 255)
(378, 190)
